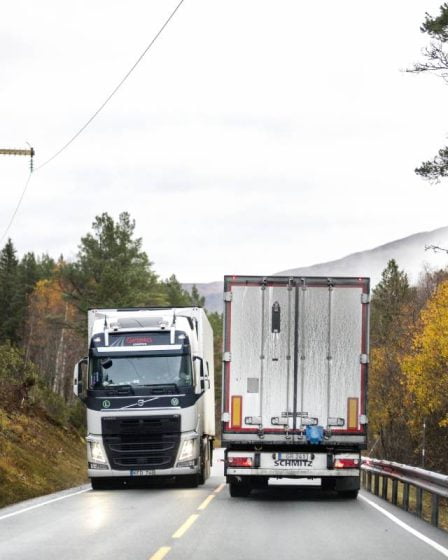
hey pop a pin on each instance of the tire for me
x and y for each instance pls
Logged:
(238, 490)
(205, 464)
(348, 494)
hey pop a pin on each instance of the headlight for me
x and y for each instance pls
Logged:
(188, 450)
(96, 451)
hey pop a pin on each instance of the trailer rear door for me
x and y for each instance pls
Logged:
(295, 354)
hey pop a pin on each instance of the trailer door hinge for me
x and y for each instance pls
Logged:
(228, 296)
(227, 357)
(365, 298)
(364, 358)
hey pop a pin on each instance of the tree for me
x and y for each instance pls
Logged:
(111, 269)
(389, 297)
(388, 414)
(436, 61)
(426, 369)
(11, 304)
(50, 340)
(177, 296)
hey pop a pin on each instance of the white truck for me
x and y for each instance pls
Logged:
(148, 385)
(295, 380)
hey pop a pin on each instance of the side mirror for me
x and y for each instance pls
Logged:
(78, 377)
(198, 364)
(202, 375)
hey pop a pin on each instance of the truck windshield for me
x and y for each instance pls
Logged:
(140, 371)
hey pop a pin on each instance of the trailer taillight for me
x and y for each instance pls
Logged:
(345, 463)
(240, 461)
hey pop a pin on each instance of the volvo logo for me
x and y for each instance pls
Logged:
(174, 401)
(140, 402)
(106, 404)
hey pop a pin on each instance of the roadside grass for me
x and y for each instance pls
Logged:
(38, 457)
(426, 502)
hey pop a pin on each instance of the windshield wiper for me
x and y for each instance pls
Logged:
(161, 388)
(120, 389)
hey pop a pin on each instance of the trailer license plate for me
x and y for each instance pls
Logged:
(142, 472)
(293, 456)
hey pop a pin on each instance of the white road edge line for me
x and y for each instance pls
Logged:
(407, 527)
(44, 503)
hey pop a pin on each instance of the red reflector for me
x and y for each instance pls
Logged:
(346, 463)
(239, 461)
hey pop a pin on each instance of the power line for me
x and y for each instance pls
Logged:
(5, 233)
(101, 107)
(95, 114)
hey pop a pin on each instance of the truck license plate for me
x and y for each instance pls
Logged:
(142, 472)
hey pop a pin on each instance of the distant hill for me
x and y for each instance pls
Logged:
(409, 253)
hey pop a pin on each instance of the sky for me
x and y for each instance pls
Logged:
(255, 136)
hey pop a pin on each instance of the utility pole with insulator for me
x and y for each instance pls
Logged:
(19, 152)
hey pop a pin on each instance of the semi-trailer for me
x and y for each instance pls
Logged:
(295, 364)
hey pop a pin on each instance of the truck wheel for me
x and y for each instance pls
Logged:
(238, 490)
(348, 494)
(205, 465)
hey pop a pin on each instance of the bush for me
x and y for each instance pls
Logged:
(17, 377)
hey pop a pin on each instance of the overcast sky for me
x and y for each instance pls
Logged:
(256, 136)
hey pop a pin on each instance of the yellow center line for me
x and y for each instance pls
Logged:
(184, 528)
(206, 502)
(220, 487)
(161, 553)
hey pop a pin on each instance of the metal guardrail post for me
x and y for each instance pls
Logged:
(384, 487)
(394, 492)
(435, 502)
(419, 502)
(406, 496)
(376, 488)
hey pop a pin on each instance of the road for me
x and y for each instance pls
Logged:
(206, 524)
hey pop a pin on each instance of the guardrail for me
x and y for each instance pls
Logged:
(372, 470)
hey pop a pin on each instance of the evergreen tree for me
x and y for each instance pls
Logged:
(436, 62)
(111, 269)
(196, 299)
(175, 294)
(11, 304)
(389, 405)
(388, 299)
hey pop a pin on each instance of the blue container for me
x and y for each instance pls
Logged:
(314, 434)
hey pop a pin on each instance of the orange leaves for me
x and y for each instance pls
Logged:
(426, 365)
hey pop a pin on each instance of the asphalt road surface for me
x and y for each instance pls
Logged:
(280, 523)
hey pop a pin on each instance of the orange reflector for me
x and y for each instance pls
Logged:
(352, 413)
(237, 412)
(239, 461)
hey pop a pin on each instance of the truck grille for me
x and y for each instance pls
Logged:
(144, 442)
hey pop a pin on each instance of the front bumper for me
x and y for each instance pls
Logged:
(184, 462)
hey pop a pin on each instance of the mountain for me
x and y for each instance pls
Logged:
(409, 253)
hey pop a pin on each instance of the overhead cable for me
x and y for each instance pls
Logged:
(95, 114)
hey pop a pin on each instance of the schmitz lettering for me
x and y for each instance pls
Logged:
(293, 463)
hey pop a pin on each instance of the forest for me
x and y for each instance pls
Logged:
(43, 304)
